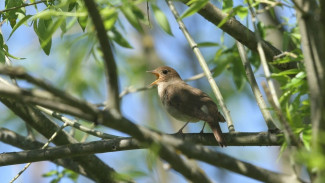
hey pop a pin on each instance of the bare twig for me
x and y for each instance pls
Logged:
(110, 65)
(44, 147)
(204, 66)
(257, 93)
(76, 125)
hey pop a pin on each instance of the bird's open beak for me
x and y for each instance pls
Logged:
(157, 77)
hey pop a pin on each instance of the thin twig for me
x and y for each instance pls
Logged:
(204, 66)
(23, 5)
(272, 91)
(44, 147)
(290, 135)
(256, 91)
(76, 125)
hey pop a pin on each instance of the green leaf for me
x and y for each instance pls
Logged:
(50, 173)
(12, 15)
(131, 14)
(41, 29)
(229, 16)
(207, 44)
(287, 72)
(227, 4)
(238, 74)
(82, 20)
(118, 38)
(195, 6)
(242, 12)
(161, 19)
(2, 52)
(19, 24)
(109, 16)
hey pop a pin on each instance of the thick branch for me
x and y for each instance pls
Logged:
(110, 66)
(43, 98)
(239, 32)
(20, 73)
(198, 152)
(313, 45)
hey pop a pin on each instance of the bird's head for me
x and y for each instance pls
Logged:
(164, 74)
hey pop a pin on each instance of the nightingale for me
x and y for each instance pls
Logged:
(187, 103)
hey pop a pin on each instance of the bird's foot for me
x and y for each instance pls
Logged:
(180, 132)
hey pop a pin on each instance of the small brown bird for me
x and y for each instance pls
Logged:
(187, 103)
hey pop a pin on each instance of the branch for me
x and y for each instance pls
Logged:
(239, 32)
(14, 139)
(109, 61)
(24, 5)
(312, 30)
(141, 134)
(20, 73)
(256, 91)
(76, 125)
(42, 98)
(201, 153)
(204, 66)
(46, 127)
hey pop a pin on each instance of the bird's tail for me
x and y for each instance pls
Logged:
(217, 133)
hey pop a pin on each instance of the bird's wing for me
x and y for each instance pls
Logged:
(190, 101)
(196, 104)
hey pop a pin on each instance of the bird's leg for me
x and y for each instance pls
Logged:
(203, 127)
(180, 131)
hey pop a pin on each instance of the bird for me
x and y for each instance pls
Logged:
(186, 103)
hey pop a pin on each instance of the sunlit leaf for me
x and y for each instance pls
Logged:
(82, 20)
(195, 6)
(286, 72)
(109, 16)
(227, 4)
(207, 44)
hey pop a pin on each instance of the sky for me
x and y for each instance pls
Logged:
(244, 111)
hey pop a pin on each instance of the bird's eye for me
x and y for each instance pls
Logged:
(165, 71)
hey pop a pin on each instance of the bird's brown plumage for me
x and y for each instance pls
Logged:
(187, 103)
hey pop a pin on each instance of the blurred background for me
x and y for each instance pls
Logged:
(73, 66)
